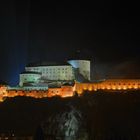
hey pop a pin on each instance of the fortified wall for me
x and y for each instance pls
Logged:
(109, 85)
(64, 91)
(69, 91)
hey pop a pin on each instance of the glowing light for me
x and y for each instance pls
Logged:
(136, 87)
(90, 88)
(119, 88)
(85, 88)
(95, 89)
(108, 87)
(114, 87)
(124, 87)
(129, 87)
(102, 87)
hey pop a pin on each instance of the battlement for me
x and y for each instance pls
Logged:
(69, 91)
(109, 85)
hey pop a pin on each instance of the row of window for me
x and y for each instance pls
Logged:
(124, 84)
(44, 69)
(54, 72)
(59, 77)
(51, 74)
(30, 76)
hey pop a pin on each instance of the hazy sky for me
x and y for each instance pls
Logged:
(105, 32)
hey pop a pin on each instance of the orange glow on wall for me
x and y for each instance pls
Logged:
(111, 84)
(69, 91)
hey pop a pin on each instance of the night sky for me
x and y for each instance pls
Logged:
(105, 32)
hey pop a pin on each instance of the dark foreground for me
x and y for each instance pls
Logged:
(108, 115)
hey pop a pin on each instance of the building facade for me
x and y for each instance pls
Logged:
(63, 72)
(70, 71)
(29, 77)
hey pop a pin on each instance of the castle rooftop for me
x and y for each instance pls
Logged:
(47, 64)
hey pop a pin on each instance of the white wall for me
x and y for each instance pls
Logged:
(54, 72)
(83, 65)
(29, 77)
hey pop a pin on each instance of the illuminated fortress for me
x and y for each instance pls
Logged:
(43, 73)
(62, 79)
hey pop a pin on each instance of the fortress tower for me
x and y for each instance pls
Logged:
(82, 66)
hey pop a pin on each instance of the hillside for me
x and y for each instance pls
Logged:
(107, 114)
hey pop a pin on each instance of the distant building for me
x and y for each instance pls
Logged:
(78, 70)
(64, 80)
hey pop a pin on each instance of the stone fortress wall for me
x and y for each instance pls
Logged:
(109, 85)
(33, 81)
(69, 91)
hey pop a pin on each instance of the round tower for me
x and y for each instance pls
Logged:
(83, 67)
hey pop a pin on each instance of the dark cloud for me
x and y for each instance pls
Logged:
(128, 69)
(125, 69)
